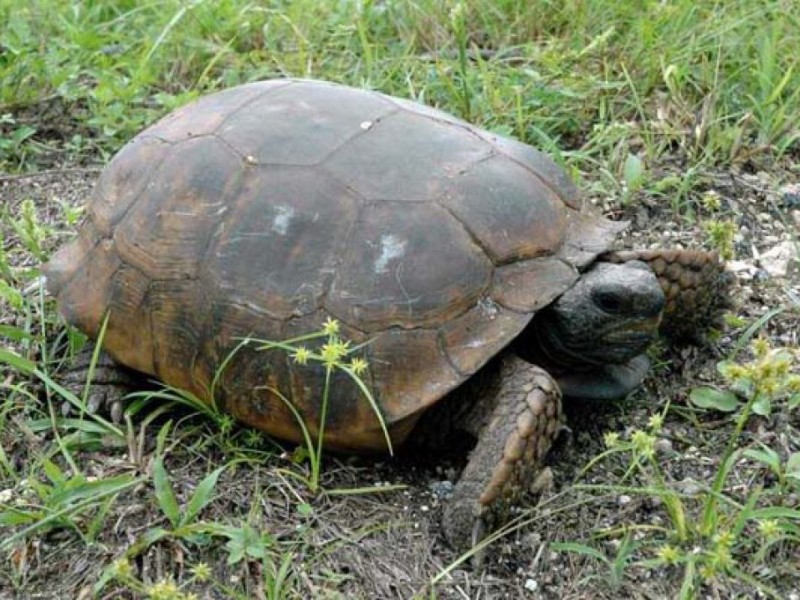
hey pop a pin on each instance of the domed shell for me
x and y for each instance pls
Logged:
(266, 209)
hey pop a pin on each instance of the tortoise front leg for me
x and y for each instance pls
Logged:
(109, 385)
(515, 428)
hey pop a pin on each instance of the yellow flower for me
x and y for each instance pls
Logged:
(656, 422)
(333, 351)
(721, 558)
(330, 354)
(769, 528)
(358, 366)
(669, 554)
(733, 372)
(724, 538)
(761, 347)
(707, 572)
(201, 571)
(121, 569)
(611, 439)
(226, 423)
(330, 327)
(711, 201)
(301, 355)
(770, 387)
(166, 589)
(782, 366)
(643, 442)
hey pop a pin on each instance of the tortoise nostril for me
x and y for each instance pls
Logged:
(629, 301)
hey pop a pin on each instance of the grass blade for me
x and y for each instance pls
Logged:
(201, 497)
(164, 494)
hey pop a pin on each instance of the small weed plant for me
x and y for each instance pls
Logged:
(334, 353)
(57, 490)
(712, 532)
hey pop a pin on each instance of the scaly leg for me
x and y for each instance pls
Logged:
(110, 383)
(515, 428)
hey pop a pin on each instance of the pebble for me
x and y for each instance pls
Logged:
(743, 269)
(441, 489)
(654, 502)
(760, 276)
(624, 500)
(688, 486)
(780, 260)
(663, 446)
(531, 585)
(790, 195)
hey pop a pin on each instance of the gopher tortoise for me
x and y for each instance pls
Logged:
(467, 264)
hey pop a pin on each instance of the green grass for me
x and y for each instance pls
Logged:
(637, 99)
(718, 80)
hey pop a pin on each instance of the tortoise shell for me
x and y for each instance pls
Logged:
(266, 209)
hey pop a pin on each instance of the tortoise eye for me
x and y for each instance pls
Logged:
(609, 301)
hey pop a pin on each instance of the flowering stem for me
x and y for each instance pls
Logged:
(722, 471)
(317, 458)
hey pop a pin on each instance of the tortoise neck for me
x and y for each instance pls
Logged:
(542, 345)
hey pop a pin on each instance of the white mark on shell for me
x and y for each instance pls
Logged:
(391, 247)
(280, 224)
(366, 125)
(488, 308)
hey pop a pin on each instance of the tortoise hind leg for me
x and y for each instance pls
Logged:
(696, 288)
(515, 428)
(109, 383)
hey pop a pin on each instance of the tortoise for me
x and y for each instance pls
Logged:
(482, 285)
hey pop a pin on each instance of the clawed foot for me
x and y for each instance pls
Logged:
(109, 385)
(506, 460)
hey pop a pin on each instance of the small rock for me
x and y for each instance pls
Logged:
(663, 446)
(760, 276)
(642, 218)
(441, 489)
(624, 500)
(531, 585)
(653, 502)
(744, 270)
(543, 482)
(688, 486)
(790, 195)
(779, 260)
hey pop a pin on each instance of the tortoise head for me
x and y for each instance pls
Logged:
(609, 316)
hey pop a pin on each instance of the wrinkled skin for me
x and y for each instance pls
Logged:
(592, 338)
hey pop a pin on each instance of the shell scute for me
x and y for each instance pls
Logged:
(266, 209)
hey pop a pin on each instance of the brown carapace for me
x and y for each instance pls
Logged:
(264, 210)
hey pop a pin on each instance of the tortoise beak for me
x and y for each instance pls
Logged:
(636, 332)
